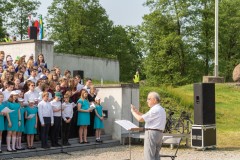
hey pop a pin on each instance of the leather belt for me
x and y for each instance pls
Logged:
(151, 129)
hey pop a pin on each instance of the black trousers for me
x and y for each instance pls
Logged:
(45, 130)
(66, 130)
(55, 130)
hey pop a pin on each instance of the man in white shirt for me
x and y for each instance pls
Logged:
(45, 113)
(155, 120)
(31, 93)
(56, 107)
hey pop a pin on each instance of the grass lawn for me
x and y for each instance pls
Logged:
(227, 108)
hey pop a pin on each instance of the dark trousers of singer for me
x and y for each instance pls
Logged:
(44, 131)
(66, 131)
(55, 130)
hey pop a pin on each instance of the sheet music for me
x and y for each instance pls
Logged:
(7, 110)
(126, 124)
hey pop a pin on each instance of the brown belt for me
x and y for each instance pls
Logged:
(151, 129)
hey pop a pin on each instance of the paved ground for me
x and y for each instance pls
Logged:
(122, 152)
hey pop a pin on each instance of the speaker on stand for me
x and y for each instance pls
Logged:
(203, 133)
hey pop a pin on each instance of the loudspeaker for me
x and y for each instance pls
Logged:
(33, 32)
(204, 103)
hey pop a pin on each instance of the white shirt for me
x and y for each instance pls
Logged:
(6, 94)
(155, 118)
(33, 79)
(88, 89)
(45, 110)
(49, 96)
(56, 105)
(79, 87)
(30, 95)
(68, 110)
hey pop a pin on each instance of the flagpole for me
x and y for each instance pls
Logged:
(216, 39)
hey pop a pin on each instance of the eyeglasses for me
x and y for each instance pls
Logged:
(148, 99)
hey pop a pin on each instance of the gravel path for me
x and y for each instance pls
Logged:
(122, 152)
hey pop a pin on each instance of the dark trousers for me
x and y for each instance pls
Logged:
(66, 131)
(91, 130)
(55, 130)
(45, 130)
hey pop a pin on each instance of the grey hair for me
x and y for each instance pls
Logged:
(155, 95)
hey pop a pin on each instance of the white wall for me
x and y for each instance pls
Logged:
(93, 67)
(117, 100)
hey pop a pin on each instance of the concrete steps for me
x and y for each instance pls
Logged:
(75, 146)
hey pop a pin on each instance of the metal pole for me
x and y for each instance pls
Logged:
(216, 39)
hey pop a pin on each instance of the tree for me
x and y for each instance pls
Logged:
(169, 57)
(79, 27)
(82, 27)
(229, 35)
(5, 6)
(18, 17)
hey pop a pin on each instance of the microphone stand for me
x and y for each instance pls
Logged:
(61, 125)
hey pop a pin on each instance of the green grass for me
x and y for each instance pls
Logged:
(227, 108)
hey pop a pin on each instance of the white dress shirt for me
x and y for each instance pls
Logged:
(68, 110)
(30, 95)
(155, 118)
(49, 96)
(6, 94)
(45, 110)
(56, 105)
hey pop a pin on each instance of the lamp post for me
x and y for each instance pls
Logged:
(216, 39)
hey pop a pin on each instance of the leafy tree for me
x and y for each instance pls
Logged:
(229, 35)
(79, 27)
(4, 7)
(18, 16)
(82, 27)
(169, 58)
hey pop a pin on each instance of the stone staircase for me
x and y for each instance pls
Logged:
(75, 146)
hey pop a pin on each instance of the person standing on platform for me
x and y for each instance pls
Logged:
(83, 120)
(31, 122)
(155, 120)
(67, 115)
(56, 107)
(91, 99)
(45, 113)
(2, 114)
(98, 120)
(15, 118)
(21, 128)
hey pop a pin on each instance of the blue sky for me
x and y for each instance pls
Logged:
(121, 12)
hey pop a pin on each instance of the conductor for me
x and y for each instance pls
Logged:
(155, 120)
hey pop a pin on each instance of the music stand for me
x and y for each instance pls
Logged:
(130, 127)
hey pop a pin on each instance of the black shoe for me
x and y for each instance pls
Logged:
(57, 145)
(9, 150)
(87, 142)
(68, 144)
(14, 150)
(81, 142)
(33, 147)
(0, 151)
